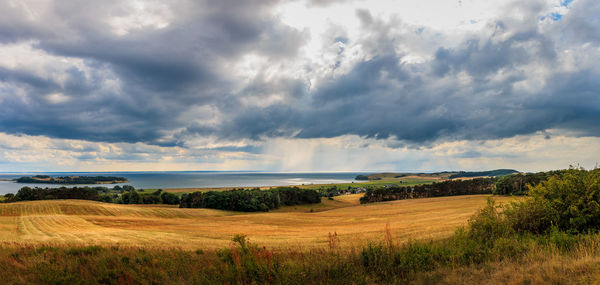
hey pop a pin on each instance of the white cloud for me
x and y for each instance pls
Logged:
(167, 86)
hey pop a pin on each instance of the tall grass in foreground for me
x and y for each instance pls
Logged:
(463, 258)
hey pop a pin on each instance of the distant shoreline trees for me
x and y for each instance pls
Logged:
(246, 200)
(117, 195)
(361, 177)
(45, 179)
(436, 189)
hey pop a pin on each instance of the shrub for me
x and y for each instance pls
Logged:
(489, 224)
(532, 216)
(572, 200)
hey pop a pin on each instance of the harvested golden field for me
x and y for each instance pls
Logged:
(76, 222)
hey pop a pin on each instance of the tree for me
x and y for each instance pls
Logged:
(10, 197)
(169, 198)
(128, 188)
(25, 194)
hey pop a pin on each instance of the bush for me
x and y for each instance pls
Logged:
(571, 200)
(533, 216)
(560, 240)
(489, 224)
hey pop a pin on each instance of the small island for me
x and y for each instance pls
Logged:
(45, 179)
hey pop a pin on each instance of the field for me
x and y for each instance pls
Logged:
(404, 181)
(76, 222)
(391, 176)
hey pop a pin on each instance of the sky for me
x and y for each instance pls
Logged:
(313, 85)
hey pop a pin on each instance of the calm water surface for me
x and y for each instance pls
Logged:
(192, 179)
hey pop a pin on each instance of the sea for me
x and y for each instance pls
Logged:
(191, 179)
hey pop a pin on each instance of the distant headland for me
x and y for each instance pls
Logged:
(446, 175)
(45, 179)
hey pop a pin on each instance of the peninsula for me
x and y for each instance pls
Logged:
(46, 179)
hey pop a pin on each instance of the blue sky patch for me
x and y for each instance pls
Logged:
(555, 16)
(565, 3)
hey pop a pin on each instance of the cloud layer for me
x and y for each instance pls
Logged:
(234, 76)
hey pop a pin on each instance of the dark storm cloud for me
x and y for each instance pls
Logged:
(164, 85)
(381, 97)
(162, 72)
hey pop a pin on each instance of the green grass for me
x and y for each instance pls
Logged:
(373, 183)
(396, 176)
(150, 191)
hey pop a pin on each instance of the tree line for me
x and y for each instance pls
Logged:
(518, 184)
(118, 195)
(514, 184)
(247, 200)
(436, 189)
(250, 200)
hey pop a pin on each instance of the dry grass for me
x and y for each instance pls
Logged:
(538, 266)
(75, 222)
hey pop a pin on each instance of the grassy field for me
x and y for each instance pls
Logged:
(126, 265)
(391, 176)
(70, 222)
(404, 181)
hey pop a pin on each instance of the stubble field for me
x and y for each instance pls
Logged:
(76, 222)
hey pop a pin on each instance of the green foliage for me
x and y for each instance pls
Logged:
(569, 200)
(250, 200)
(530, 216)
(10, 197)
(446, 188)
(491, 173)
(518, 184)
(573, 199)
(169, 198)
(128, 188)
(561, 240)
(107, 198)
(103, 194)
(489, 224)
(156, 197)
(31, 194)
